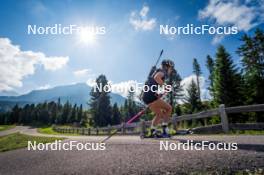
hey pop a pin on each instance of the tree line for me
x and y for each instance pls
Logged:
(45, 113)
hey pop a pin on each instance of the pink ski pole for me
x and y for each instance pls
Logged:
(132, 119)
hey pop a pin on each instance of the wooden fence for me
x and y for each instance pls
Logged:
(141, 127)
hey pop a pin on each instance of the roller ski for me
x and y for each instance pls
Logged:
(184, 132)
(156, 134)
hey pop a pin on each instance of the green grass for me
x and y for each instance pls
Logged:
(6, 127)
(17, 140)
(49, 130)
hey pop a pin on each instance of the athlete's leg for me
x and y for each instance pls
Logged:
(166, 113)
(163, 111)
(166, 110)
(155, 107)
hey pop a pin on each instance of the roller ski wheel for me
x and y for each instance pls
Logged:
(158, 135)
(184, 132)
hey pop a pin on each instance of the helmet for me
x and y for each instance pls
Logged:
(167, 62)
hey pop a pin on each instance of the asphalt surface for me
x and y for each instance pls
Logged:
(131, 155)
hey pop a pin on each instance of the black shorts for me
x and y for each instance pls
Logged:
(149, 97)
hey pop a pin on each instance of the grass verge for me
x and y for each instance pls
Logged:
(17, 140)
(6, 127)
(49, 130)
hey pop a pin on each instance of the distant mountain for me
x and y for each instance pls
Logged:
(77, 93)
(8, 93)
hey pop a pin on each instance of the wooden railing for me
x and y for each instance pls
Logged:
(141, 127)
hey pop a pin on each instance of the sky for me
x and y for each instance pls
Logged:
(129, 47)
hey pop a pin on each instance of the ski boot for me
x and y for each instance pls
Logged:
(165, 132)
(154, 134)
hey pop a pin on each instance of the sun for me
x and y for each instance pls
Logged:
(87, 36)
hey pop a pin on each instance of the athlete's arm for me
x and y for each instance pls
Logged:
(158, 78)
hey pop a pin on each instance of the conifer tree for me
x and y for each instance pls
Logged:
(116, 118)
(210, 67)
(226, 80)
(252, 53)
(197, 71)
(100, 102)
(192, 97)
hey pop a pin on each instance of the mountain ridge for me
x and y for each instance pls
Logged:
(78, 93)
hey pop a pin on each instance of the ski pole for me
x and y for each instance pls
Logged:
(133, 118)
(153, 69)
(159, 57)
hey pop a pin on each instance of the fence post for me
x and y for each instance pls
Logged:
(53, 127)
(123, 128)
(108, 129)
(174, 122)
(97, 131)
(142, 128)
(224, 119)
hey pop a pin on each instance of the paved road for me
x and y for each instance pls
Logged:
(130, 155)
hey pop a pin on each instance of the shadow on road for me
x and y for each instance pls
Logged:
(242, 146)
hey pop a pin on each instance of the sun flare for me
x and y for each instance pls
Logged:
(87, 36)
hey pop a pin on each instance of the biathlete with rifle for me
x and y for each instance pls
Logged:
(153, 100)
(150, 97)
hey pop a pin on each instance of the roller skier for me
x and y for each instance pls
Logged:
(151, 98)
